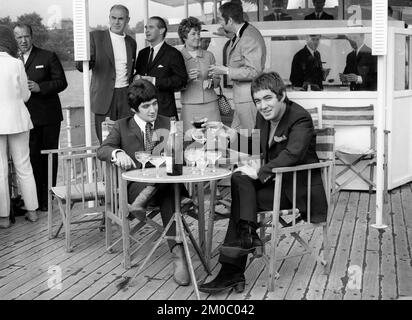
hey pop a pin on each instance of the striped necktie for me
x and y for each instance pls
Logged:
(148, 140)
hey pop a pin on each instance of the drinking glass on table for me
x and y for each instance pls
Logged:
(157, 161)
(212, 157)
(191, 157)
(201, 164)
(143, 157)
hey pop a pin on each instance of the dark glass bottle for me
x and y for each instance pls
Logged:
(174, 150)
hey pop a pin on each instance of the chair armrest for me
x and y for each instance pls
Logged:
(79, 156)
(303, 167)
(67, 150)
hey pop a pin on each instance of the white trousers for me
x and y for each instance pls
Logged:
(244, 116)
(18, 146)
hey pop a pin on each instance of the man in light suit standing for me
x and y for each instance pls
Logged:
(112, 58)
(246, 59)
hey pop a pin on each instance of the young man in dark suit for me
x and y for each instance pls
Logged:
(287, 138)
(46, 79)
(112, 59)
(307, 65)
(163, 65)
(319, 14)
(137, 133)
(361, 66)
(278, 14)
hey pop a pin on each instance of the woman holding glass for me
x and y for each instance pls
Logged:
(199, 98)
(15, 125)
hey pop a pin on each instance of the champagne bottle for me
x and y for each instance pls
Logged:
(174, 150)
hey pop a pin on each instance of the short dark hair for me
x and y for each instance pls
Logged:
(8, 42)
(161, 24)
(140, 91)
(120, 7)
(269, 81)
(232, 10)
(390, 11)
(186, 25)
(22, 25)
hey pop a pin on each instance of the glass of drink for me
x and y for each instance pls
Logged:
(191, 156)
(199, 136)
(212, 157)
(143, 157)
(157, 161)
(198, 122)
(201, 164)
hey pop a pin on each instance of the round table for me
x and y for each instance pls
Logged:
(187, 177)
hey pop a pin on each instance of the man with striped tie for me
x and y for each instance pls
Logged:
(137, 133)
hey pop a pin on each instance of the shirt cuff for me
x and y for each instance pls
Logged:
(114, 153)
(359, 80)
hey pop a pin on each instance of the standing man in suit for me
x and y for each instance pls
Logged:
(163, 65)
(46, 79)
(307, 65)
(278, 14)
(361, 66)
(112, 58)
(277, 117)
(319, 14)
(136, 133)
(245, 60)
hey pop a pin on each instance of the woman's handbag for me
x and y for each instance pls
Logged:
(225, 108)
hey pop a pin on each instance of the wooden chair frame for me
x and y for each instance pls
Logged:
(76, 183)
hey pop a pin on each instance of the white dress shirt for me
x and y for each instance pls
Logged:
(27, 55)
(120, 59)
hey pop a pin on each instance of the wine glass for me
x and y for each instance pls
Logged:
(199, 136)
(212, 157)
(201, 164)
(191, 156)
(157, 161)
(143, 157)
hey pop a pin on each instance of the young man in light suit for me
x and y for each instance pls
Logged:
(246, 59)
(287, 138)
(112, 58)
(136, 133)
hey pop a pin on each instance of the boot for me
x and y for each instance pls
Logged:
(180, 269)
(248, 242)
(140, 203)
(228, 277)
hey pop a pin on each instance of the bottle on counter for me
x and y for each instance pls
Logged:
(174, 149)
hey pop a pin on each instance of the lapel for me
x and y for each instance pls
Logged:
(108, 47)
(134, 131)
(129, 51)
(30, 60)
(242, 30)
(159, 55)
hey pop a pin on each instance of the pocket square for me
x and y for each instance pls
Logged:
(279, 139)
(40, 67)
(160, 66)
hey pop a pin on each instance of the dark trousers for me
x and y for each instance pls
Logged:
(43, 138)
(119, 109)
(248, 196)
(164, 197)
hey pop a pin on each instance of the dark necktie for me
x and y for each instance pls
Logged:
(148, 141)
(318, 16)
(317, 59)
(151, 56)
(21, 57)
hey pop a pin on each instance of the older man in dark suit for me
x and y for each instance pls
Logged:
(163, 65)
(361, 66)
(287, 138)
(278, 14)
(46, 79)
(137, 133)
(319, 14)
(112, 58)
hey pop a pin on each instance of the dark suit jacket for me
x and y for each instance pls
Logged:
(126, 135)
(298, 148)
(364, 65)
(306, 68)
(324, 16)
(283, 17)
(169, 69)
(45, 68)
(103, 66)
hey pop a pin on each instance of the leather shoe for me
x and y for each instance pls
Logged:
(224, 281)
(180, 269)
(31, 216)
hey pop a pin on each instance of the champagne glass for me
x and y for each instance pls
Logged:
(143, 157)
(212, 157)
(201, 164)
(198, 122)
(191, 156)
(199, 136)
(157, 161)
